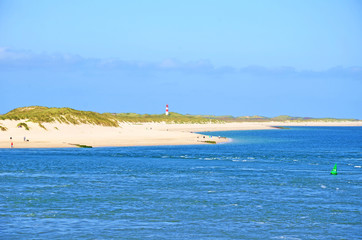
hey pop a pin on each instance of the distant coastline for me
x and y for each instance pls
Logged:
(41, 127)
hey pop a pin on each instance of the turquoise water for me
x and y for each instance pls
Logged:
(271, 184)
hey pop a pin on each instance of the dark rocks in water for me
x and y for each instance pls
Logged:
(83, 146)
(281, 127)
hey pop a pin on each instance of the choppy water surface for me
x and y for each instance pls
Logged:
(272, 184)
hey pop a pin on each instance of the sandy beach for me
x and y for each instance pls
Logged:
(59, 135)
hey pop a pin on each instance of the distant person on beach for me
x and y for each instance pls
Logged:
(24, 139)
(12, 145)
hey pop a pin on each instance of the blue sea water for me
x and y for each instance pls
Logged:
(267, 184)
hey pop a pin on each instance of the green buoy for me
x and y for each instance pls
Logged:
(334, 170)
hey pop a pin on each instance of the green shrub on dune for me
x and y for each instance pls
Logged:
(23, 125)
(2, 128)
(42, 126)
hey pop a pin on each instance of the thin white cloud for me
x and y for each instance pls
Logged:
(19, 59)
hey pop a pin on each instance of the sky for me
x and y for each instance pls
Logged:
(232, 57)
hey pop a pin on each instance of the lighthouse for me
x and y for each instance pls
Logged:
(166, 109)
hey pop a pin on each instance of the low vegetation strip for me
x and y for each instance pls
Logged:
(171, 118)
(281, 118)
(40, 115)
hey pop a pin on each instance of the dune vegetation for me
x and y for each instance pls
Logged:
(41, 115)
(2, 128)
(23, 125)
(171, 118)
(281, 118)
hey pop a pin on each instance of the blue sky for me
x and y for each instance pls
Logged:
(301, 58)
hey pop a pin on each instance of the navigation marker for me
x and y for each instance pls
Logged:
(334, 171)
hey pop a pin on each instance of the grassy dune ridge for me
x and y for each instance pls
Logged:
(38, 114)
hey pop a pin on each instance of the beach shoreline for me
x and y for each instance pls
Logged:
(60, 135)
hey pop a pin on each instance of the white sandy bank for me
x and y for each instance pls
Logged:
(145, 134)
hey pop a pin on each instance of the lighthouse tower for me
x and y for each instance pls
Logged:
(166, 109)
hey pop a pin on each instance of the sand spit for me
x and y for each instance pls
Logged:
(57, 135)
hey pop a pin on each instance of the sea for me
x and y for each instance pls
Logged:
(265, 184)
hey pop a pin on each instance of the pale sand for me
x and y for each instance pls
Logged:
(128, 134)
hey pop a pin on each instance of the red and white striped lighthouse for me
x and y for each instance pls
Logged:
(166, 109)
